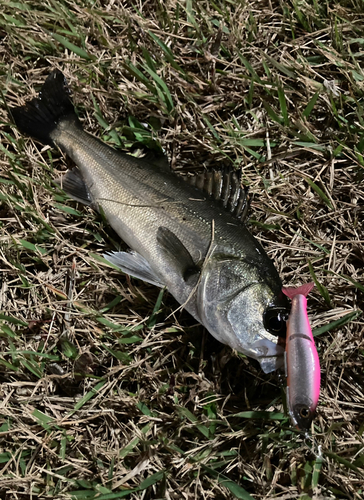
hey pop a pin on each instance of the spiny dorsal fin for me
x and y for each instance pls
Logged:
(223, 186)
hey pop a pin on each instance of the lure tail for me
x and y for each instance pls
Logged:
(41, 116)
(305, 289)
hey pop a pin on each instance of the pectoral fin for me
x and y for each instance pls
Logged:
(134, 264)
(177, 254)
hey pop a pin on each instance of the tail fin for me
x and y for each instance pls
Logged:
(301, 290)
(39, 117)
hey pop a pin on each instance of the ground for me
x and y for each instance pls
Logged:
(106, 391)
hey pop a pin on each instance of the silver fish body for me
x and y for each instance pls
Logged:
(179, 239)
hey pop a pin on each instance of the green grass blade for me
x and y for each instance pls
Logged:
(344, 462)
(92, 393)
(33, 248)
(357, 285)
(153, 318)
(321, 288)
(250, 68)
(165, 94)
(260, 415)
(32, 367)
(310, 145)
(344, 320)
(167, 52)
(151, 480)
(191, 417)
(238, 491)
(283, 104)
(72, 47)
(316, 471)
(129, 448)
(9, 366)
(134, 71)
(69, 349)
(7, 331)
(273, 116)
(281, 67)
(5, 457)
(15, 321)
(320, 192)
(306, 113)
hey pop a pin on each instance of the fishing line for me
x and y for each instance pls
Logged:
(137, 206)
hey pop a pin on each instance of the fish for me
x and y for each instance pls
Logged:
(191, 241)
(302, 362)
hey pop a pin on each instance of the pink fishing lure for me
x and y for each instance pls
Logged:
(301, 360)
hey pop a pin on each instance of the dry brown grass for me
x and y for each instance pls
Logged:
(104, 395)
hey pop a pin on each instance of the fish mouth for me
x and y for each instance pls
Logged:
(270, 355)
(267, 348)
(271, 364)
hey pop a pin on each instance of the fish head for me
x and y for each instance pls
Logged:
(241, 309)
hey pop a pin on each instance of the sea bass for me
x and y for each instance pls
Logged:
(180, 238)
(302, 361)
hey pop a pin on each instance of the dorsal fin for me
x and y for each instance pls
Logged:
(223, 186)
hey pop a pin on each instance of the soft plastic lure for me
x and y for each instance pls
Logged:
(301, 360)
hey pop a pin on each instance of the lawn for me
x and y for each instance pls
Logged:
(107, 390)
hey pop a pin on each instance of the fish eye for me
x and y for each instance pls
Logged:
(304, 412)
(275, 321)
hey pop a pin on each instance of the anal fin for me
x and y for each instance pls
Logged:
(134, 264)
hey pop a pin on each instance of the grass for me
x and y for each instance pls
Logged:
(104, 393)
